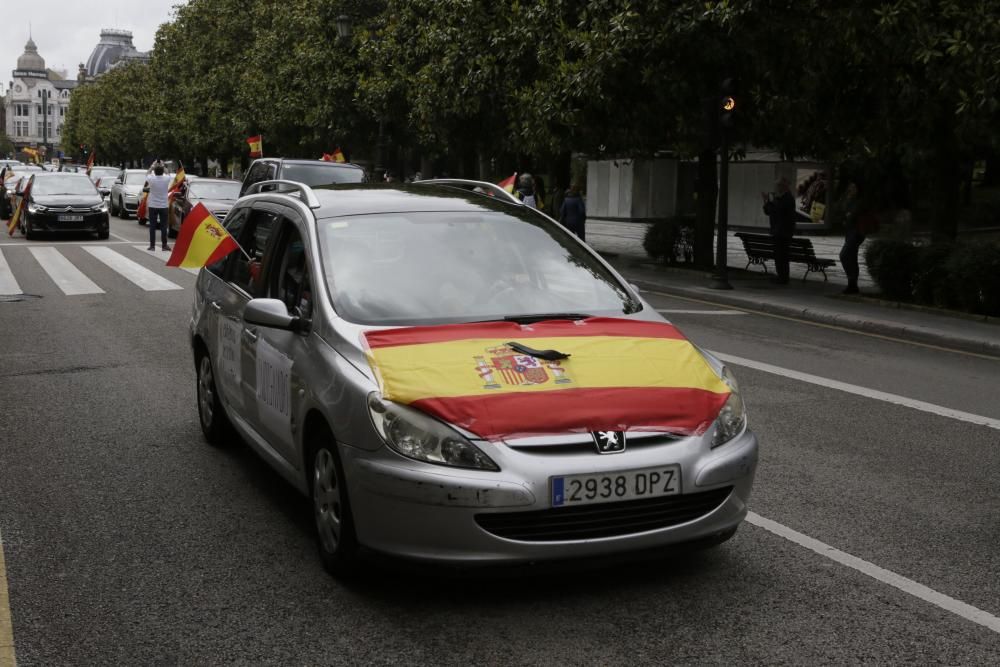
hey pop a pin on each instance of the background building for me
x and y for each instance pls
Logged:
(114, 48)
(36, 102)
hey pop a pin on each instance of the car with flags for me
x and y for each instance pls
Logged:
(309, 172)
(104, 178)
(217, 194)
(452, 376)
(61, 202)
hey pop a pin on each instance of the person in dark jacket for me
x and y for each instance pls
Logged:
(573, 212)
(853, 237)
(779, 206)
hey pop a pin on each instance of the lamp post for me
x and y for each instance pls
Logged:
(45, 120)
(726, 109)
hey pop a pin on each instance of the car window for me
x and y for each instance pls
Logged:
(214, 190)
(257, 173)
(321, 173)
(427, 268)
(290, 280)
(70, 184)
(234, 225)
(245, 270)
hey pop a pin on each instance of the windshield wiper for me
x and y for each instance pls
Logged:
(528, 318)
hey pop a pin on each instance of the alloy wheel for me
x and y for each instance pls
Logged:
(327, 501)
(206, 392)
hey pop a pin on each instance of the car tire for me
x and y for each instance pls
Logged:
(335, 536)
(122, 211)
(114, 209)
(29, 233)
(215, 424)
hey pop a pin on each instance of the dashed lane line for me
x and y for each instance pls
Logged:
(896, 399)
(908, 586)
(67, 277)
(6, 626)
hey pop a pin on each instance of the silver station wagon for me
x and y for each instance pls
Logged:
(451, 376)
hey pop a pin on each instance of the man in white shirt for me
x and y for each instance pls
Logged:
(157, 184)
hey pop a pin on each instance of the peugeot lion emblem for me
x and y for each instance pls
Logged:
(609, 442)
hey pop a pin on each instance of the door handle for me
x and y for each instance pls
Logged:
(250, 335)
(215, 306)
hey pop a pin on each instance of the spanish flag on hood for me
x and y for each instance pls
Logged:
(618, 375)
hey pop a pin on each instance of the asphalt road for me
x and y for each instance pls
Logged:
(128, 541)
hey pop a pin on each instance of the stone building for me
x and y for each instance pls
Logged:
(36, 102)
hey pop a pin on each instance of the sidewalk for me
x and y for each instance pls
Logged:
(812, 300)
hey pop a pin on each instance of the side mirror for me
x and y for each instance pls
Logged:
(270, 313)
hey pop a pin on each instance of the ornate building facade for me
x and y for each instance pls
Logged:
(36, 102)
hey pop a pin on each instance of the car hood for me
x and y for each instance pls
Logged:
(56, 201)
(493, 379)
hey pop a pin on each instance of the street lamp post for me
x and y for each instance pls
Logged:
(45, 120)
(727, 106)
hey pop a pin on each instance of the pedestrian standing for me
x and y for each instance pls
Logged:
(573, 212)
(854, 236)
(779, 206)
(157, 184)
(526, 190)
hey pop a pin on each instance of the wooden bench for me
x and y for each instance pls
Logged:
(760, 248)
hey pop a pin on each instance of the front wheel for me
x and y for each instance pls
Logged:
(114, 209)
(337, 542)
(214, 423)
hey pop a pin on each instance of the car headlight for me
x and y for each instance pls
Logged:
(35, 208)
(417, 436)
(100, 208)
(732, 418)
(129, 195)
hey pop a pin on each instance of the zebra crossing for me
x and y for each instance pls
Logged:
(59, 269)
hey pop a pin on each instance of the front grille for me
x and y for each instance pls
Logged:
(604, 519)
(588, 446)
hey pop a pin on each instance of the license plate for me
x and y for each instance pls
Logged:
(614, 486)
(70, 218)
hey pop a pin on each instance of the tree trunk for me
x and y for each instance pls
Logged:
(708, 192)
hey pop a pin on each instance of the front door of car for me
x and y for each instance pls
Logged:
(282, 356)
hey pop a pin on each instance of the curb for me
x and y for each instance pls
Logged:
(913, 333)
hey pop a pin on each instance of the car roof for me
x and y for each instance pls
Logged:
(205, 179)
(368, 198)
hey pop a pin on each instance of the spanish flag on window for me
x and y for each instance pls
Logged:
(175, 185)
(256, 146)
(509, 182)
(620, 375)
(201, 241)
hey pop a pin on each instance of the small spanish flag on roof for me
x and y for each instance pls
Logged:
(90, 162)
(615, 374)
(256, 146)
(201, 241)
(509, 182)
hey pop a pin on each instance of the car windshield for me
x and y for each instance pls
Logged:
(135, 177)
(321, 173)
(431, 268)
(203, 190)
(63, 185)
(97, 172)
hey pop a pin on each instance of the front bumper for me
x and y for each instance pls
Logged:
(436, 514)
(50, 222)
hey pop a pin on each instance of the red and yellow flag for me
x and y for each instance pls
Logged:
(90, 162)
(621, 375)
(336, 156)
(142, 210)
(256, 146)
(19, 211)
(175, 185)
(509, 182)
(201, 241)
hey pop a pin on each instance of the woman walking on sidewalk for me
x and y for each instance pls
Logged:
(853, 237)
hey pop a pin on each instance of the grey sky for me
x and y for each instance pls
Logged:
(66, 31)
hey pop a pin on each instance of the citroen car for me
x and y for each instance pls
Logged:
(453, 377)
(63, 202)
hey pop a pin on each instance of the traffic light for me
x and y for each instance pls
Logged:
(727, 103)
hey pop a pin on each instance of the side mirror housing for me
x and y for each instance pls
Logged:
(270, 313)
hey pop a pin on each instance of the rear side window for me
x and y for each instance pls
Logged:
(321, 173)
(245, 272)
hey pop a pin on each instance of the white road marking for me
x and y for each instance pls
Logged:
(69, 278)
(27, 244)
(862, 391)
(8, 284)
(136, 273)
(6, 626)
(162, 256)
(908, 586)
(122, 238)
(681, 311)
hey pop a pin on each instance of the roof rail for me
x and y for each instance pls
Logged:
(308, 196)
(486, 188)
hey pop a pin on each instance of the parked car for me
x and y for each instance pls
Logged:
(63, 202)
(217, 194)
(309, 172)
(104, 178)
(125, 192)
(452, 376)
